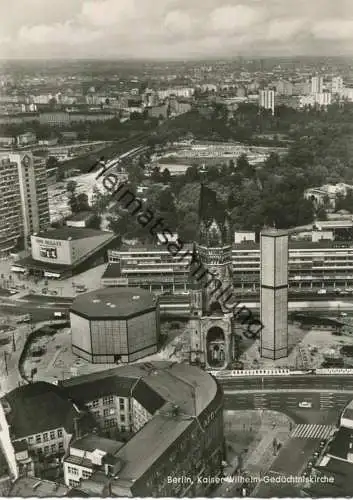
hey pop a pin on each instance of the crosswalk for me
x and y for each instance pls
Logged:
(313, 431)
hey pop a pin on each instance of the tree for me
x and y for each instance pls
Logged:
(95, 222)
(82, 203)
(60, 175)
(192, 174)
(71, 187)
(156, 175)
(136, 174)
(166, 177)
(52, 162)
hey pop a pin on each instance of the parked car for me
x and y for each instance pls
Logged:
(305, 404)
(322, 291)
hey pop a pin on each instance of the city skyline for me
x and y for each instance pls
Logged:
(173, 29)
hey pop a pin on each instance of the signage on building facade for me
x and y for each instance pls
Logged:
(55, 243)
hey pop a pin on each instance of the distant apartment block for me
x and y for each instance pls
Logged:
(177, 91)
(317, 84)
(267, 99)
(337, 85)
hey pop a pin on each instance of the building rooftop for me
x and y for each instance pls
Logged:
(112, 271)
(118, 303)
(348, 411)
(297, 245)
(91, 442)
(71, 233)
(342, 474)
(175, 394)
(80, 216)
(342, 443)
(274, 232)
(34, 487)
(37, 408)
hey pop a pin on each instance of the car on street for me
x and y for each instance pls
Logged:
(322, 291)
(349, 290)
(305, 404)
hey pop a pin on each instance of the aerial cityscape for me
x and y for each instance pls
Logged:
(176, 249)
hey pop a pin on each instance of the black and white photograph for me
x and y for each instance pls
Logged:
(176, 248)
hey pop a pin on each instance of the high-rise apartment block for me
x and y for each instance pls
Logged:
(337, 85)
(267, 99)
(317, 84)
(274, 294)
(24, 206)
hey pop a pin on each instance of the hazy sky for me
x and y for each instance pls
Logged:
(174, 28)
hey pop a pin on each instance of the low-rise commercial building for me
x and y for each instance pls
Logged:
(323, 259)
(62, 252)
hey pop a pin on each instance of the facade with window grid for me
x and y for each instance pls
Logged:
(176, 431)
(111, 326)
(112, 412)
(47, 443)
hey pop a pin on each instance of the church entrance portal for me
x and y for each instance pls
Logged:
(215, 347)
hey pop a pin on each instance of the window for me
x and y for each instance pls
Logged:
(45, 436)
(52, 435)
(95, 403)
(86, 474)
(53, 448)
(38, 438)
(73, 483)
(30, 439)
(122, 418)
(110, 422)
(123, 428)
(108, 400)
(105, 412)
(60, 433)
(72, 470)
(61, 446)
(46, 449)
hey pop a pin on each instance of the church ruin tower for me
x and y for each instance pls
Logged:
(212, 326)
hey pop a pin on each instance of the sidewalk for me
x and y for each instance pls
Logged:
(259, 456)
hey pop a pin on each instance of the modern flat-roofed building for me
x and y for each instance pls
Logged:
(324, 259)
(177, 410)
(274, 294)
(112, 325)
(62, 252)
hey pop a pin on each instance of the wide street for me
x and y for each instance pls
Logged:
(324, 398)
